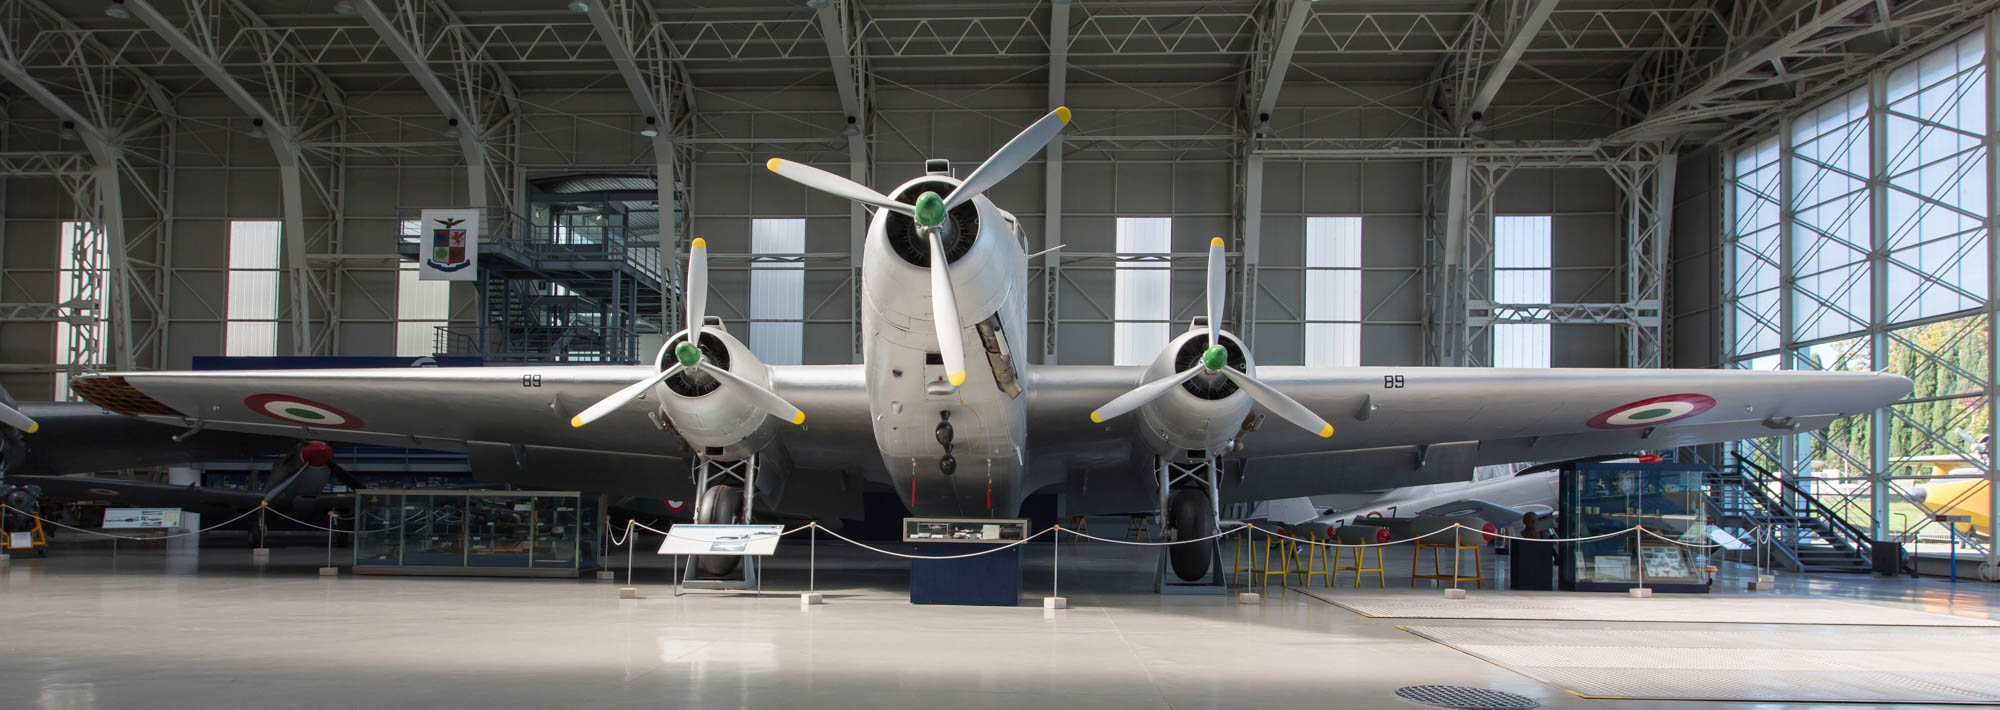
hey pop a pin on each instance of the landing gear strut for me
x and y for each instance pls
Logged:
(725, 493)
(1190, 511)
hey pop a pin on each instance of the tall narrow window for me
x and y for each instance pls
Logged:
(778, 290)
(1521, 275)
(252, 329)
(1333, 291)
(1753, 252)
(1829, 229)
(80, 267)
(421, 307)
(1142, 284)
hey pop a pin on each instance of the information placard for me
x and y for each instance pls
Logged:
(148, 518)
(741, 540)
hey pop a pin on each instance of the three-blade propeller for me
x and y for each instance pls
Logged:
(930, 210)
(14, 418)
(687, 356)
(1215, 363)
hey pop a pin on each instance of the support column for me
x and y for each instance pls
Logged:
(1878, 300)
(292, 190)
(1992, 566)
(1052, 191)
(118, 270)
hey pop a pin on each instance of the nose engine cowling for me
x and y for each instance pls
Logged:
(702, 411)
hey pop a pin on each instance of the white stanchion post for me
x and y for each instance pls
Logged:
(1639, 563)
(1055, 599)
(812, 595)
(5, 559)
(629, 591)
(604, 535)
(262, 554)
(1457, 555)
(329, 570)
(1249, 547)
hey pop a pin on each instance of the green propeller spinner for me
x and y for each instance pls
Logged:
(687, 353)
(1214, 358)
(930, 209)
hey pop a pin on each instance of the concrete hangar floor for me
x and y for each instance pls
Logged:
(208, 629)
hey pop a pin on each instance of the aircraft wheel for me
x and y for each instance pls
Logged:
(1190, 517)
(720, 505)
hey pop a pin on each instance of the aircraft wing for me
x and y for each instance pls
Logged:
(136, 494)
(513, 416)
(1397, 426)
(76, 437)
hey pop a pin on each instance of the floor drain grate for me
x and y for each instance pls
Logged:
(1454, 696)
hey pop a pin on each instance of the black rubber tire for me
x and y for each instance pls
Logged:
(720, 505)
(1190, 517)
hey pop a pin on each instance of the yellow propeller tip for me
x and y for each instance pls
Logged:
(700, 243)
(774, 163)
(32, 426)
(956, 378)
(1328, 431)
(576, 421)
(1062, 112)
(1094, 418)
(799, 418)
(1216, 242)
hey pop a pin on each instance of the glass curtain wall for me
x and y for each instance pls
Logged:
(1856, 239)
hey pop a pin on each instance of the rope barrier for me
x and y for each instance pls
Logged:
(245, 514)
(276, 512)
(988, 551)
(618, 541)
(1230, 531)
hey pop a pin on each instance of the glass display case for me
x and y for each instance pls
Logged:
(497, 533)
(1667, 500)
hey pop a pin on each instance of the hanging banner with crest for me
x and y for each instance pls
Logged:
(448, 246)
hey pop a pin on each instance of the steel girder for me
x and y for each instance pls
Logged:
(297, 102)
(477, 99)
(661, 91)
(124, 120)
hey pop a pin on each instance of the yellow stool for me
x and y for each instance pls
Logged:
(1458, 549)
(1244, 559)
(1311, 561)
(1278, 554)
(1358, 568)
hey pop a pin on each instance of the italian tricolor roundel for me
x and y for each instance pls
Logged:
(299, 410)
(1650, 412)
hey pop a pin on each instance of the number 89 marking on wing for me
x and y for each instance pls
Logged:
(1392, 382)
(531, 380)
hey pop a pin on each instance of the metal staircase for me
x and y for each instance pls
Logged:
(1806, 535)
(568, 293)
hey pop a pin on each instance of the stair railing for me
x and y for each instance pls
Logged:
(1840, 529)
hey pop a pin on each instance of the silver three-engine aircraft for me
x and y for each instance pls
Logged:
(945, 408)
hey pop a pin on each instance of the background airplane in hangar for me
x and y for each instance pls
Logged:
(945, 411)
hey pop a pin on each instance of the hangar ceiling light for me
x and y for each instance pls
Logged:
(117, 9)
(579, 6)
(344, 7)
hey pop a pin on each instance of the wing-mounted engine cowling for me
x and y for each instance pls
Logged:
(709, 385)
(1187, 388)
(1204, 412)
(702, 410)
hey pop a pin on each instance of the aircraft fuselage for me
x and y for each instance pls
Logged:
(909, 395)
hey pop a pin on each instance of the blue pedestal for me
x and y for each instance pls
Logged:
(992, 579)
